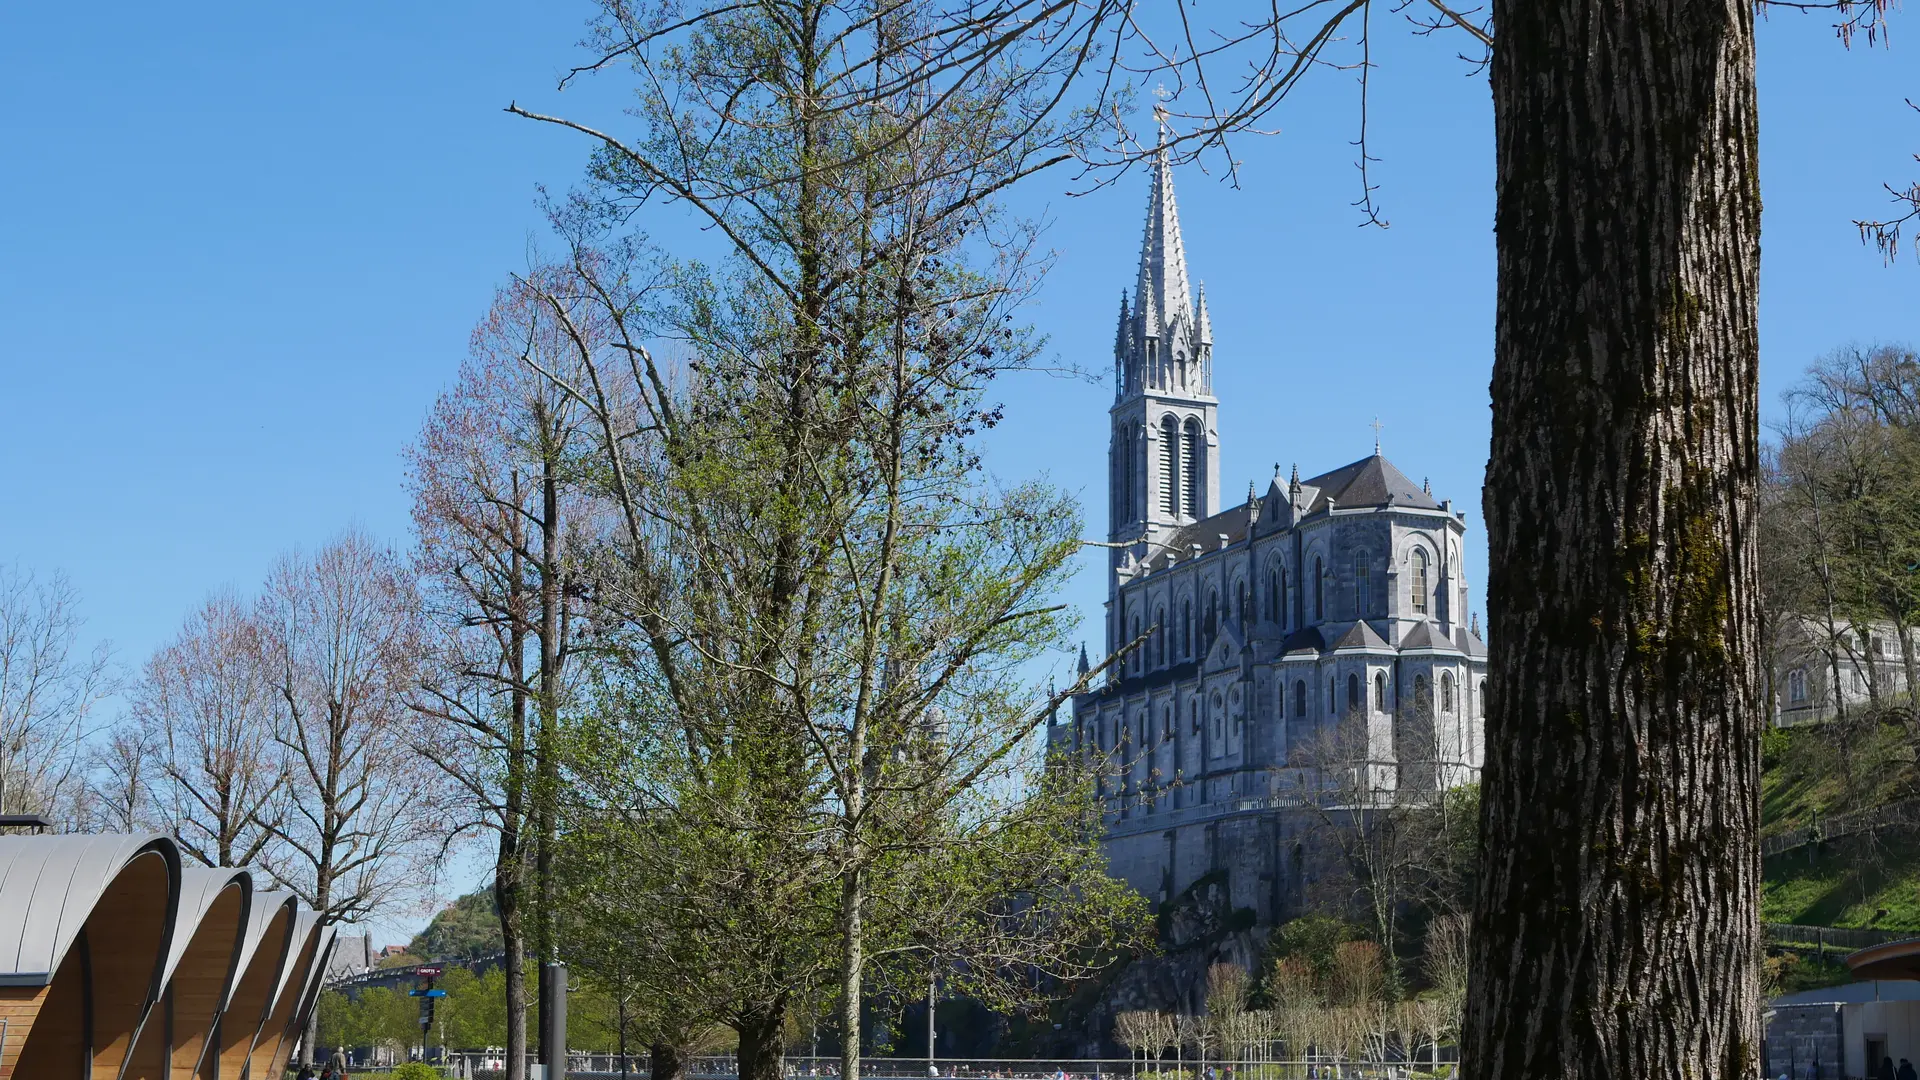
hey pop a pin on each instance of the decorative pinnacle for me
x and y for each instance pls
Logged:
(1426, 485)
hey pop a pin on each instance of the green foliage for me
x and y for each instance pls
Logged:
(468, 927)
(1789, 972)
(1823, 770)
(415, 1070)
(1315, 939)
(1849, 883)
(1774, 744)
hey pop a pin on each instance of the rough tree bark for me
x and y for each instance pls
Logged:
(1616, 923)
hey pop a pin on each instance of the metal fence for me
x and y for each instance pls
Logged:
(485, 1065)
(1825, 939)
(1904, 812)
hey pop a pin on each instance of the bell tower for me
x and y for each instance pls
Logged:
(1164, 469)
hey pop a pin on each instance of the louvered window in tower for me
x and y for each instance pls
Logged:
(1192, 466)
(1362, 587)
(1419, 581)
(1170, 466)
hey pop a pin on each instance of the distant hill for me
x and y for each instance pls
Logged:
(470, 926)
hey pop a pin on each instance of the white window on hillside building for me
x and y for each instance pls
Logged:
(1797, 687)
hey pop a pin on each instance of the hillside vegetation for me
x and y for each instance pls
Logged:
(1813, 777)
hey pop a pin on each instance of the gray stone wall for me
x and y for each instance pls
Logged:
(1804, 1042)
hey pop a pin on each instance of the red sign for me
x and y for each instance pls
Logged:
(427, 972)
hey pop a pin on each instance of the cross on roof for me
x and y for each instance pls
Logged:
(1376, 425)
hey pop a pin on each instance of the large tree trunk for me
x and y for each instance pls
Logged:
(762, 1052)
(1616, 927)
(665, 1061)
(509, 893)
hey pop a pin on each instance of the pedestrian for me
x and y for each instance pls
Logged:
(306, 1073)
(1906, 1070)
(1886, 1070)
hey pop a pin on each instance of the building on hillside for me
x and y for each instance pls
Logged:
(1311, 638)
(1823, 668)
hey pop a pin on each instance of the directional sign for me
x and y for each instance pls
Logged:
(427, 972)
(426, 993)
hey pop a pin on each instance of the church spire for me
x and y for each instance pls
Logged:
(1163, 256)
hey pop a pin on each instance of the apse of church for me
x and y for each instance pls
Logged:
(1321, 616)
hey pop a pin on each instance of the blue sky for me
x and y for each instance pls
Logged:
(241, 248)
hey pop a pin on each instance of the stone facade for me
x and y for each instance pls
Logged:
(1310, 639)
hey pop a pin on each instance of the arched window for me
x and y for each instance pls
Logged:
(1212, 625)
(1333, 703)
(1195, 473)
(1422, 700)
(1274, 594)
(1419, 578)
(1166, 723)
(1243, 605)
(1482, 703)
(1215, 717)
(1126, 475)
(1170, 466)
(1134, 659)
(1446, 691)
(1300, 699)
(1280, 702)
(1319, 589)
(1362, 586)
(1380, 691)
(1160, 635)
(1353, 693)
(1186, 629)
(1193, 714)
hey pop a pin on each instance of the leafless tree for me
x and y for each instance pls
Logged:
(340, 644)
(122, 769)
(49, 686)
(494, 499)
(204, 710)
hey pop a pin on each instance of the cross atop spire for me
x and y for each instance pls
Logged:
(1376, 425)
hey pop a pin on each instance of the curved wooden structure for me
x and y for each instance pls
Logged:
(117, 964)
(1889, 960)
(199, 973)
(270, 939)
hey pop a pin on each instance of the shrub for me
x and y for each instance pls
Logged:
(414, 1070)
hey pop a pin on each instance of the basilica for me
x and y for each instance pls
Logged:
(1306, 647)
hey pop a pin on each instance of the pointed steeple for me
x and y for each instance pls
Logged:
(1163, 256)
(1084, 665)
(1120, 335)
(1202, 325)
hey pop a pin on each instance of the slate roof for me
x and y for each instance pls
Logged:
(1371, 481)
(1361, 636)
(1426, 635)
(1205, 532)
(1307, 639)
